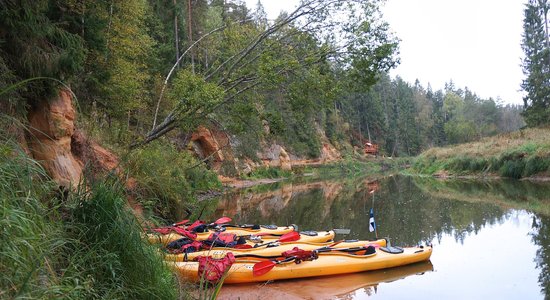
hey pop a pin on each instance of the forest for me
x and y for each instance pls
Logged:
(140, 70)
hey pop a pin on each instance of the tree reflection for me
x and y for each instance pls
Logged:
(408, 210)
(541, 238)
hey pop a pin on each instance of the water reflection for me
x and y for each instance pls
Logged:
(411, 210)
(329, 287)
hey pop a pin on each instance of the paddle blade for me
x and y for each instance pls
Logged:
(262, 267)
(222, 220)
(290, 237)
(242, 246)
(183, 222)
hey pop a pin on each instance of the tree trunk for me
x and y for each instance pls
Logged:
(177, 42)
(190, 34)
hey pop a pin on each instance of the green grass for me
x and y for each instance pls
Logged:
(83, 244)
(269, 172)
(516, 155)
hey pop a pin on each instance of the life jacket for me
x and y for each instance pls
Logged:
(300, 255)
(196, 224)
(224, 239)
(177, 244)
(212, 269)
(183, 245)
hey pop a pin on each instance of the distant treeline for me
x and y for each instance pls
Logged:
(407, 119)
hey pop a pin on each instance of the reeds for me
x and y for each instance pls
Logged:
(83, 244)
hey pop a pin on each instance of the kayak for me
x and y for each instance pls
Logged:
(342, 286)
(267, 251)
(309, 236)
(155, 238)
(329, 263)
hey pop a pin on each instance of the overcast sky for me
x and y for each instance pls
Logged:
(476, 43)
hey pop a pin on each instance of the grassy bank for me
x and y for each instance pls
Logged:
(354, 167)
(520, 154)
(82, 244)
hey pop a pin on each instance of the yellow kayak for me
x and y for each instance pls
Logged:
(313, 236)
(266, 251)
(155, 238)
(329, 263)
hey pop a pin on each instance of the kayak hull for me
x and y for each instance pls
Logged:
(331, 263)
(271, 251)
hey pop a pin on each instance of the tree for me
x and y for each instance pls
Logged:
(353, 36)
(536, 64)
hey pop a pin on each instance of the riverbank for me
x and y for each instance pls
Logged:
(524, 154)
(350, 167)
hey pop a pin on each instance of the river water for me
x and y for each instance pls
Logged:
(491, 238)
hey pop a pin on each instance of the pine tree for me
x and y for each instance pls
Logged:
(536, 64)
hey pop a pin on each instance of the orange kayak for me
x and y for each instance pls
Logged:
(272, 251)
(329, 263)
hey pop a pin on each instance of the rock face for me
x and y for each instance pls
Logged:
(213, 144)
(329, 153)
(92, 155)
(63, 151)
(205, 144)
(49, 139)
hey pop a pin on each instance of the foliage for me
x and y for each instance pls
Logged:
(269, 172)
(168, 179)
(36, 44)
(72, 244)
(30, 239)
(536, 64)
(406, 119)
(109, 239)
(193, 96)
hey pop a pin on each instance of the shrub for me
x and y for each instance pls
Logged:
(536, 164)
(269, 172)
(168, 179)
(512, 168)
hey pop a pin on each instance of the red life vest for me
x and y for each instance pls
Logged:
(211, 269)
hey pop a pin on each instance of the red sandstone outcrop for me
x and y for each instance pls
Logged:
(329, 153)
(275, 156)
(51, 128)
(92, 155)
(60, 149)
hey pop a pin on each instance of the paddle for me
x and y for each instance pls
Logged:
(287, 237)
(219, 221)
(263, 267)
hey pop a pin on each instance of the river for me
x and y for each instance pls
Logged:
(491, 238)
